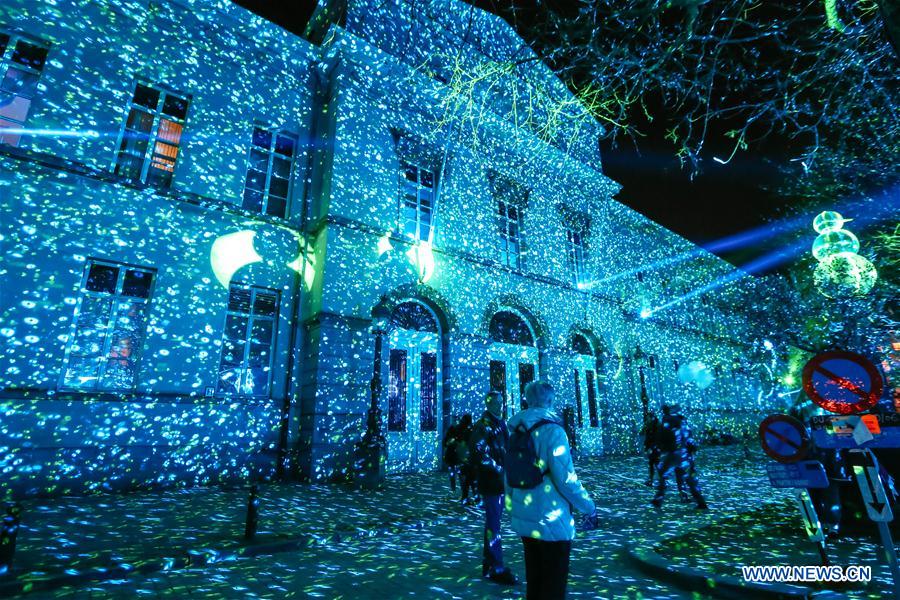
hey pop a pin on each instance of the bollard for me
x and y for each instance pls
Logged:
(9, 529)
(252, 513)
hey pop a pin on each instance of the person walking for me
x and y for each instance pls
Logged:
(542, 491)
(466, 473)
(487, 448)
(651, 448)
(673, 440)
(455, 449)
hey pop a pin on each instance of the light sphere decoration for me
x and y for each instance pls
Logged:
(828, 221)
(834, 242)
(696, 372)
(845, 274)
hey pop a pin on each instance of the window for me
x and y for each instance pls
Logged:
(592, 398)
(510, 226)
(152, 136)
(21, 64)
(109, 327)
(248, 342)
(578, 399)
(397, 385)
(428, 409)
(271, 162)
(577, 255)
(417, 196)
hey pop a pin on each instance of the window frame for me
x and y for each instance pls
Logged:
(401, 201)
(271, 153)
(244, 365)
(6, 62)
(504, 223)
(577, 255)
(153, 136)
(110, 324)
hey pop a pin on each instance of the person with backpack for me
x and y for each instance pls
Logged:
(673, 439)
(487, 450)
(542, 491)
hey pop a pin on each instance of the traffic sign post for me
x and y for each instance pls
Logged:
(842, 382)
(784, 438)
(811, 523)
(865, 471)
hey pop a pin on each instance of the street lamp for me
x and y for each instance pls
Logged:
(371, 451)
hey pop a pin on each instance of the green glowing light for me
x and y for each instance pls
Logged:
(828, 221)
(845, 274)
(231, 252)
(422, 257)
(834, 242)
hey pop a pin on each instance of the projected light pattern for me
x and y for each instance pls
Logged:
(253, 344)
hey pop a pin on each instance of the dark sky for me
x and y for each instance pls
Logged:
(722, 200)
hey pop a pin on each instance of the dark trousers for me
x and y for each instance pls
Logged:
(493, 550)
(546, 569)
(671, 461)
(466, 481)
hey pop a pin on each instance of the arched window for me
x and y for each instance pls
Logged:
(580, 345)
(509, 328)
(413, 316)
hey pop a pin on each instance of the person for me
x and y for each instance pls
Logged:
(673, 439)
(487, 450)
(651, 448)
(461, 447)
(542, 515)
(455, 451)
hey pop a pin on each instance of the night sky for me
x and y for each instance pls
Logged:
(719, 201)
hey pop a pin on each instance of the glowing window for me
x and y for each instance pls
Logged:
(151, 136)
(577, 256)
(417, 202)
(109, 327)
(269, 168)
(509, 223)
(248, 341)
(397, 385)
(21, 64)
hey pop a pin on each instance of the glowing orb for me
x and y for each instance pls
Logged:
(422, 257)
(834, 242)
(697, 373)
(828, 221)
(845, 274)
(231, 252)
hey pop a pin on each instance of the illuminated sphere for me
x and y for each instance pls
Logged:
(845, 274)
(834, 242)
(828, 221)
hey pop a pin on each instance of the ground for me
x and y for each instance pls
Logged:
(411, 539)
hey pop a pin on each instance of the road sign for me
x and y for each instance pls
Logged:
(784, 438)
(842, 382)
(810, 518)
(865, 470)
(836, 431)
(805, 474)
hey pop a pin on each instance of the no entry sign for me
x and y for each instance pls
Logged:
(784, 438)
(842, 382)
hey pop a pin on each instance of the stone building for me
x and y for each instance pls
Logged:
(199, 213)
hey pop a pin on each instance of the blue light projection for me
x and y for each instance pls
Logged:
(151, 151)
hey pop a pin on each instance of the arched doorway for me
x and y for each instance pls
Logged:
(513, 357)
(413, 398)
(588, 421)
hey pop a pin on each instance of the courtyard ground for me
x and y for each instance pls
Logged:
(409, 539)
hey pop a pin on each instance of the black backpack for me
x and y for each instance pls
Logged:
(522, 462)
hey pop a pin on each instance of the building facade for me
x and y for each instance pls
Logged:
(200, 212)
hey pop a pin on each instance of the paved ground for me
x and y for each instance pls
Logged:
(440, 560)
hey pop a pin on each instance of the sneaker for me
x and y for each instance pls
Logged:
(649, 483)
(503, 576)
(656, 503)
(702, 506)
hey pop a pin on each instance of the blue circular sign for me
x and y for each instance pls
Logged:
(784, 438)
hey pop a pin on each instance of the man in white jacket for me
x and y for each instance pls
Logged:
(542, 515)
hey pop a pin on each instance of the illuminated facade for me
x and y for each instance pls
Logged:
(199, 211)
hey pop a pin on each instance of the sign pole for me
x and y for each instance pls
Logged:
(891, 553)
(811, 523)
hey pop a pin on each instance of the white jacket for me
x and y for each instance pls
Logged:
(545, 512)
